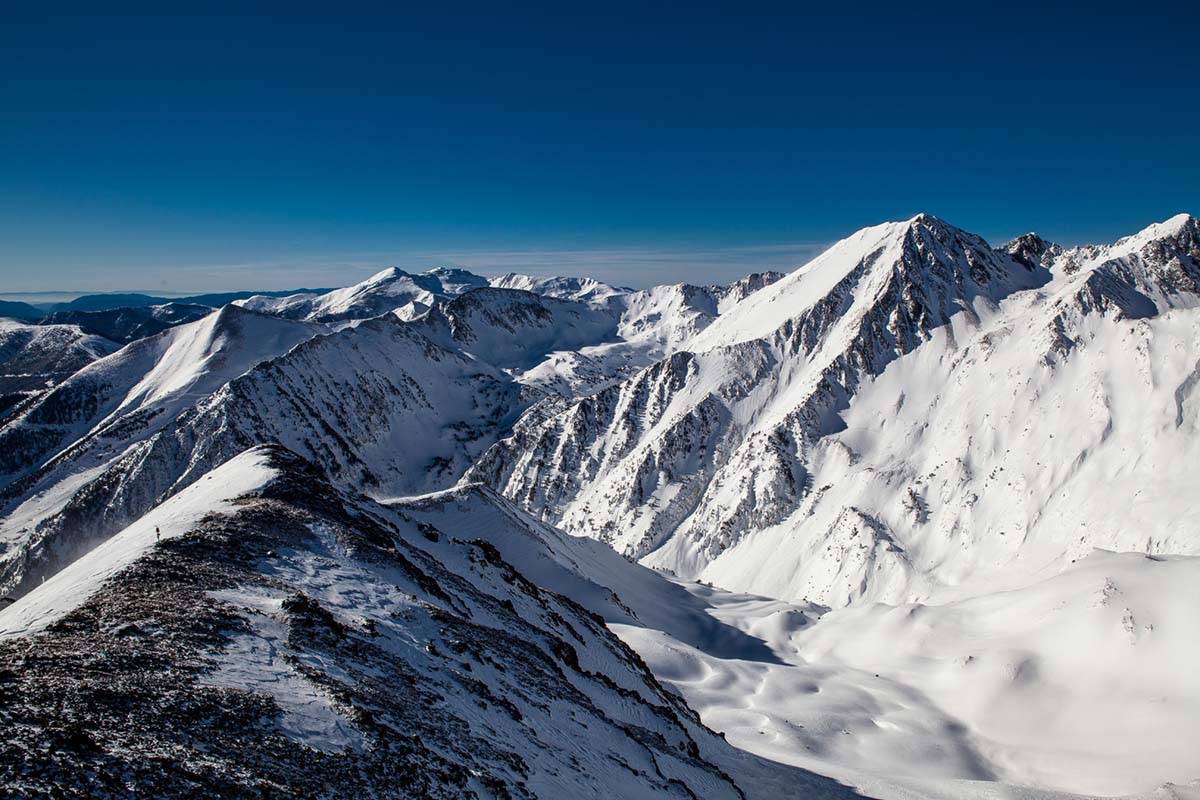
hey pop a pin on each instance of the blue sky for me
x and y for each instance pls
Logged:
(251, 147)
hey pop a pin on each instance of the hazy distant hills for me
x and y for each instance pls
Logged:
(105, 302)
(21, 311)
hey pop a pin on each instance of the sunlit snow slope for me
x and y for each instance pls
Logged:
(910, 410)
(1080, 683)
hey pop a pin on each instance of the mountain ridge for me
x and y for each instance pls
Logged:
(308, 689)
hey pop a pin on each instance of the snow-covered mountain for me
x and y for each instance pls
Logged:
(35, 357)
(378, 406)
(143, 386)
(851, 515)
(1075, 686)
(335, 647)
(712, 440)
(585, 290)
(919, 419)
(827, 437)
(650, 324)
(385, 291)
(513, 329)
(934, 484)
(567, 336)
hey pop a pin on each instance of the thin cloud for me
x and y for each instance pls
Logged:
(637, 267)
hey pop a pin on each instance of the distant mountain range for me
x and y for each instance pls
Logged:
(108, 301)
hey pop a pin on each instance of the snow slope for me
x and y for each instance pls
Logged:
(713, 441)
(996, 696)
(513, 329)
(850, 452)
(312, 642)
(650, 324)
(1079, 683)
(385, 291)
(378, 406)
(36, 356)
(935, 489)
(72, 586)
(131, 393)
(587, 571)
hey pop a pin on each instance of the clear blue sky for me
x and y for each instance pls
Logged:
(270, 148)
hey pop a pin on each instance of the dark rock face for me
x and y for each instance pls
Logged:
(1032, 251)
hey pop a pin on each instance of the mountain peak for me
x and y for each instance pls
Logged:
(230, 311)
(229, 317)
(451, 272)
(931, 223)
(1031, 251)
(454, 280)
(926, 219)
(1180, 231)
(945, 233)
(385, 275)
(1176, 224)
(1167, 229)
